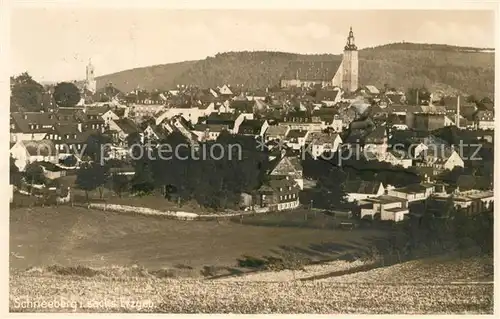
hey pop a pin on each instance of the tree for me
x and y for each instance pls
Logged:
(120, 184)
(422, 93)
(143, 182)
(331, 188)
(91, 176)
(134, 139)
(69, 161)
(34, 174)
(66, 94)
(471, 99)
(14, 175)
(26, 93)
(146, 121)
(97, 147)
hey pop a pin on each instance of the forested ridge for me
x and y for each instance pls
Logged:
(400, 65)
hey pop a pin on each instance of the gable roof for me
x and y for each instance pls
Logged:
(372, 89)
(221, 118)
(484, 115)
(251, 126)
(322, 138)
(245, 106)
(326, 95)
(99, 110)
(296, 133)
(395, 98)
(24, 122)
(376, 136)
(286, 165)
(277, 130)
(157, 130)
(311, 71)
(361, 187)
(210, 127)
(127, 126)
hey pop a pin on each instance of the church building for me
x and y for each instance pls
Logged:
(341, 73)
(90, 82)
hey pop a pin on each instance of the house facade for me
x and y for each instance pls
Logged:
(385, 207)
(319, 143)
(359, 190)
(279, 194)
(288, 166)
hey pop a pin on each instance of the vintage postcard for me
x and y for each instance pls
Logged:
(251, 161)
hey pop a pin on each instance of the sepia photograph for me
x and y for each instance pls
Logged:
(251, 161)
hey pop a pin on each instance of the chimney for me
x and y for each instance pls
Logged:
(457, 121)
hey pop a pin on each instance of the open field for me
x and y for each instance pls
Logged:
(77, 236)
(172, 255)
(372, 294)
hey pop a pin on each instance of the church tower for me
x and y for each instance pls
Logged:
(90, 81)
(350, 65)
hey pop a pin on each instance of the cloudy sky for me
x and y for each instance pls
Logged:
(56, 44)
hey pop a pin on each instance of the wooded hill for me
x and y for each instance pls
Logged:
(400, 65)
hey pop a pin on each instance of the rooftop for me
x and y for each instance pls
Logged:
(311, 71)
(385, 199)
(361, 187)
(297, 133)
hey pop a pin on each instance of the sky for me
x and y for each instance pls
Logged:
(55, 44)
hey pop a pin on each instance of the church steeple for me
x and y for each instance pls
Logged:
(350, 46)
(90, 78)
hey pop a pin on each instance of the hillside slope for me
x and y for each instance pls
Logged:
(150, 77)
(400, 65)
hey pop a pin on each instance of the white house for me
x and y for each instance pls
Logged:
(296, 139)
(191, 113)
(474, 201)
(145, 110)
(109, 116)
(319, 143)
(27, 152)
(414, 192)
(485, 120)
(276, 132)
(397, 158)
(358, 190)
(388, 208)
(209, 132)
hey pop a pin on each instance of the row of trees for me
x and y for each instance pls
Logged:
(211, 175)
(27, 94)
